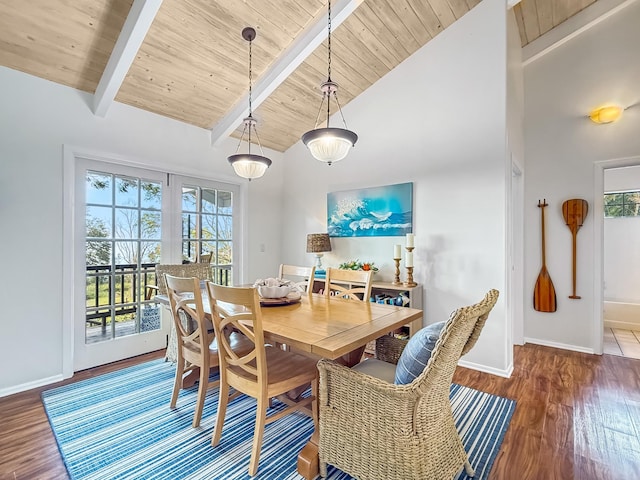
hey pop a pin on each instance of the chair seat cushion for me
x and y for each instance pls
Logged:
(377, 368)
(417, 353)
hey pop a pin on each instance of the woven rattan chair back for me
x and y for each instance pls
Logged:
(201, 271)
(352, 284)
(399, 432)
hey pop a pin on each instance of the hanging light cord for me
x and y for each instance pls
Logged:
(329, 87)
(249, 121)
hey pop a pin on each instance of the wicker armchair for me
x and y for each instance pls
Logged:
(372, 429)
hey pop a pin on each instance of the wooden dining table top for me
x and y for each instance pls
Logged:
(328, 327)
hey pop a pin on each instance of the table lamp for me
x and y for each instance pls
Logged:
(318, 243)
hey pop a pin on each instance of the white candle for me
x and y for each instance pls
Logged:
(410, 237)
(408, 262)
(397, 252)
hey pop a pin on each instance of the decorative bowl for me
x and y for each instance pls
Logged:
(274, 292)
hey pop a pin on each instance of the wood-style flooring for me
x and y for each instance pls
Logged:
(577, 417)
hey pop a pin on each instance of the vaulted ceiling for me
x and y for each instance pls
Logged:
(186, 59)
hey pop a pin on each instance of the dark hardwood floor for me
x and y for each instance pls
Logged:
(577, 417)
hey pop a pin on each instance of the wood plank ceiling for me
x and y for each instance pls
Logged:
(192, 64)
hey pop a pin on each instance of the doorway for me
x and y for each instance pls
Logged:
(613, 288)
(621, 261)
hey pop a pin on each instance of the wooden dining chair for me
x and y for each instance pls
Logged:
(302, 277)
(196, 345)
(264, 372)
(352, 284)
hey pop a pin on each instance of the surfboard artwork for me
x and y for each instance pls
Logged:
(371, 212)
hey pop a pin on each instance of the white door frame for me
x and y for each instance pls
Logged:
(515, 297)
(598, 243)
(69, 251)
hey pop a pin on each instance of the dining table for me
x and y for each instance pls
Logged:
(328, 327)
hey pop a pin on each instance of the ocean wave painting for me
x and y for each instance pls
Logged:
(371, 212)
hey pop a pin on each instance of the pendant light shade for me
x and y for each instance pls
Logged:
(329, 144)
(249, 165)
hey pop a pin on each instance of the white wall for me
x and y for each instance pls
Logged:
(37, 118)
(437, 120)
(621, 241)
(561, 145)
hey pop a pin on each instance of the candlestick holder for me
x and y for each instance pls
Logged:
(396, 280)
(409, 282)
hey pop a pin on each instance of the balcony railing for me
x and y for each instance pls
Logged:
(128, 290)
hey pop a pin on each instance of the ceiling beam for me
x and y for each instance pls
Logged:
(131, 36)
(581, 22)
(282, 67)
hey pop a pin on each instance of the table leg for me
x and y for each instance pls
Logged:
(308, 461)
(351, 358)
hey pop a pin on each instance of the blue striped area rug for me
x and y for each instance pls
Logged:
(120, 426)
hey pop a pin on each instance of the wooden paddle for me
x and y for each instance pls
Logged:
(544, 294)
(574, 212)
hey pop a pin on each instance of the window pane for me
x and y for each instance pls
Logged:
(126, 223)
(613, 199)
(208, 227)
(225, 227)
(127, 191)
(189, 250)
(189, 199)
(150, 225)
(126, 321)
(126, 253)
(208, 201)
(613, 211)
(149, 252)
(99, 222)
(151, 196)
(99, 188)
(189, 225)
(631, 210)
(97, 291)
(98, 253)
(225, 203)
(224, 256)
(209, 247)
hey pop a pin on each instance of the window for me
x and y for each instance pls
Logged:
(207, 229)
(622, 204)
(123, 237)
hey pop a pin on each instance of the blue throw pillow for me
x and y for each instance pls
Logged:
(417, 353)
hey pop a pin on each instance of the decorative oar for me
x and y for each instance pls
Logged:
(544, 293)
(574, 212)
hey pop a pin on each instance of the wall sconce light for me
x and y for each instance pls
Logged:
(606, 114)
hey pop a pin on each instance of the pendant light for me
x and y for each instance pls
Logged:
(249, 165)
(329, 144)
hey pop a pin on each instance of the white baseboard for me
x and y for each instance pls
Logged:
(483, 368)
(621, 324)
(29, 385)
(562, 346)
